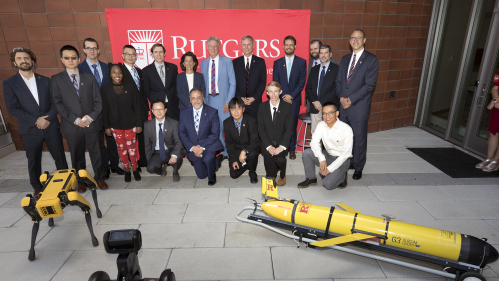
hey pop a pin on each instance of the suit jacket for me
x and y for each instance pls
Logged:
(328, 91)
(209, 129)
(257, 78)
(226, 78)
(71, 106)
(170, 136)
(297, 77)
(277, 135)
(361, 86)
(127, 78)
(105, 70)
(183, 88)
(155, 90)
(247, 140)
(22, 105)
(132, 111)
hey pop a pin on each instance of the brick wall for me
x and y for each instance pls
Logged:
(396, 33)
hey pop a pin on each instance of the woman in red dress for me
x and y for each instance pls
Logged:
(492, 162)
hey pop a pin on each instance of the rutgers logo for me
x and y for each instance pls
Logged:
(304, 209)
(143, 40)
(270, 187)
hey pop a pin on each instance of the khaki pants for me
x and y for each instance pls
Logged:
(316, 118)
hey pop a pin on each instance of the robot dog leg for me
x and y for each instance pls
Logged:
(90, 182)
(75, 199)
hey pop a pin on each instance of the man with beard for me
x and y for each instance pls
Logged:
(27, 96)
(314, 60)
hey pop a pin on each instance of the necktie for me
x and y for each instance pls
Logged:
(162, 153)
(75, 83)
(196, 122)
(162, 74)
(213, 87)
(351, 69)
(96, 74)
(289, 68)
(247, 75)
(238, 128)
(273, 115)
(136, 78)
(321, 80)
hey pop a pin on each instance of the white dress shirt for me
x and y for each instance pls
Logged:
(31, 83)
(272, 116)
(157, 135)
(246, 60)
(337, 140)
(357, 57)
(190, 81)
(216, 73)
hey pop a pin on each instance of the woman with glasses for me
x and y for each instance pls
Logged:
(188, 79)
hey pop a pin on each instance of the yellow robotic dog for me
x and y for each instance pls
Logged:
(59, 191)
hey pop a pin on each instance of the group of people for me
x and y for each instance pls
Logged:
(154, 117)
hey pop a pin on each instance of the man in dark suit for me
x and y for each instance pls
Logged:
(241, 137)
(355, 84)
(133, 75)
(163, 146)
(160, 81)
(275, 126)
(320, 85)
(92, 65)
(290, 72)
(315, 46)
(251, 77)
(27, 96)
(199, 132)
(78, 101)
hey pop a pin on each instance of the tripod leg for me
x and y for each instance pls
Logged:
(94, 196)
(51, 222)
(34, 233)
(95, 242)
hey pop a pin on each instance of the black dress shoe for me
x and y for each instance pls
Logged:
(212, 181)
(106, 173)
(136, 176)
(118, 171)
(307, 183)
(345, 182)
(128, 176)
(254, 179)
(357, 175)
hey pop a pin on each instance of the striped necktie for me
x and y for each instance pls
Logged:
(213, 87)
(96, 74)
(136, 77)
(75, 83)
(351, 69)
(196, 122)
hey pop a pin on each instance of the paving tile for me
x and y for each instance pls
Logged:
(477, 192)
(125, 197)
(435, 142)
(377, 149)
(15, 239)
(290, 262)
(16, 266)
(494, 224)
(479, 181)
(476, 209)
(6, 197)
(397, 271)
(16, 185)
(182, 235)
(397, 148)
(221, 263)
(243, 195)
(144, 214)
(9, 216)
(423, 167)
(115, 182)
(72, 216)
(2, 181)
(82, 264)
(212, 212)
(394, 157)
(198, 195)
(409, 193)
(398, 279)
(163, 182)
(384, 142)
(387, 167)
(425, 179)
(319, 193)
(246, 235)
(372, 180)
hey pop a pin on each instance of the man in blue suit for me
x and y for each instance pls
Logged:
(220, 82)
(27, 96)
(199, 131)
(100, 71)
(291, 72)
(355, 84)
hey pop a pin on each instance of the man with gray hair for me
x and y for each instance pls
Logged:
(220, 83)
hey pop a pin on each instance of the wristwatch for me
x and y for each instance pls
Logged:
(494, 100)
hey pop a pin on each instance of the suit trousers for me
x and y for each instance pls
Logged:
(217, 102)
(359, 128)
(109, 154)
(154, 166)
(316, 118)
(251, 162)
(296, 112)
(252, 110)
(77, 143)
(142, 150)
(205, 166)
(334, 178)
(33, 143)
(273, 163)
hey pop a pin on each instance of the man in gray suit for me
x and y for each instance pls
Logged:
(77, 99)
(355, 84)
(162, 144)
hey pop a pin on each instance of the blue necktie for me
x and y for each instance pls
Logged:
(75, 83)
(162, 153)
(96, 74)
(136, 78)
(289, 68)
(321, 80)
(196, 121)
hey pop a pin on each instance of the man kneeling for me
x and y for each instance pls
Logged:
(333, 162)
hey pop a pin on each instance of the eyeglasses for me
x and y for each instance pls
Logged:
(70, 58)
(129, 55)
(17, 49)
(329, 113)
(91, 49)
(358, 38)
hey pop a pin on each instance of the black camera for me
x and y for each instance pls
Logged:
(126, 243)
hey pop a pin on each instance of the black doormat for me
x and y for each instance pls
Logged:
(453, 162)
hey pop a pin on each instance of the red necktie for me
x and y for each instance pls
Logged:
(351, 69)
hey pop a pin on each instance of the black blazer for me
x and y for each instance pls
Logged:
(183, 88)
(170, 136)
(155, 90)
(71, 106)
(277, 135)
(247, 140)
(127, 78)
(22, 105)
(257, 78)
(328, 90)
(132, 110)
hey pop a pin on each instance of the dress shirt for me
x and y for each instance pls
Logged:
(292, 60)
(77, 77)
(157, 135)
(246, 60)
(92, 68)
(31, 83)
(325, 71)
(357, 57)
(272, 114)
(216, 72)
(337, 140)
(130, 69)
(318, 61)
(194, 117)
(190, 81)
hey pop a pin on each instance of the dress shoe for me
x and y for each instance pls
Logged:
(212, 181)
(82, 187)
(357, 175)
(308, 182)
(220, 158)
(292, 155)
(106, 173)
(36, 194)
(118, 171)
(345, 182)
(281, 181)
(128, 176)
(254, 179)
(163, 171)
(102, 185)
(139, 170)
(176, 177)
(136, 175)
